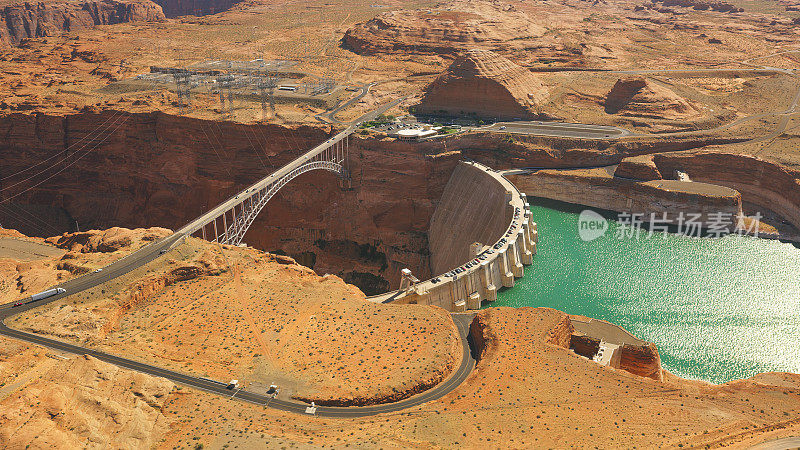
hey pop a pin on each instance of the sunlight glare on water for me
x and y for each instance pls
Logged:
(718, 309)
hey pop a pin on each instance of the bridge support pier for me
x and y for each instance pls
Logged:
(225, 224)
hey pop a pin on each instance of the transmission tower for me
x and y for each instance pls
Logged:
(182, 88)
(224, 82)
(267, 85)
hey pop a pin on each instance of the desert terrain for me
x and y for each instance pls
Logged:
(274, 321)
(527, 390)
(93, 140)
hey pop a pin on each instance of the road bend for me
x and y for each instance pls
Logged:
(162, 246)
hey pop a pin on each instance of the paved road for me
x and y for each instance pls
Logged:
(155, 249)
(558, 129)
(330, 116)
(462, 322)
(779, 444)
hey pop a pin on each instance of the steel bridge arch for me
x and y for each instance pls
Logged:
(237, 214)
(233, 233)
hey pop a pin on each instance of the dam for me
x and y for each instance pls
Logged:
(481, 236)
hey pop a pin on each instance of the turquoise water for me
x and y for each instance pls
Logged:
(718, 309)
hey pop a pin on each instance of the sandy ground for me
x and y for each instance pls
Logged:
(24, 250)
(525, 392)
(230, 313)
(30, 265)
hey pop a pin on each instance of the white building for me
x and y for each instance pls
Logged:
(410, 134)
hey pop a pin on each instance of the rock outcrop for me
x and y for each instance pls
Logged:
(25, 20)
(110, 240)
(640, 168)
(760, 182)
(484, 84)
(703, 5)
(641, 360)
(462, 26)
(637, 96)
(175, 8)
(597, 189)
(84, 402)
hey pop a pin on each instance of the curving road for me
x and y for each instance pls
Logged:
(462, 322)
(330, 116)
(155, 249)
(779, 444)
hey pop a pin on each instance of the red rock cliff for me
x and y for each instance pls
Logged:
(175, 8)
(30, 20)
(762, 183)
(111, 168)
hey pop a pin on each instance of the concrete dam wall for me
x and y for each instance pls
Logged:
(474, 208)
(481, 235)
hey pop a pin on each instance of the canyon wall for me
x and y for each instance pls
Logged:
(760, 182)
(104, 169)
(596, 189)
(98, 169)
(175, 8)
(31, 20)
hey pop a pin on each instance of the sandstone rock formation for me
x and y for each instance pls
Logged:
(639, 97)
(84, 402)
(57, 259)
(23, 20)
(484, 84)
(638, 168)
(175, 8)
(462, 26)
(703, 5)
(110, 240)
(767, 185)
(229, 312)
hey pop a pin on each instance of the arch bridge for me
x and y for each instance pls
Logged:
(229, 221)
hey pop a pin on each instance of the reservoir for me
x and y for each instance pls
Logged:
(717, 309)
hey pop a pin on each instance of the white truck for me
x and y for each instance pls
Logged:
(47, 293)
